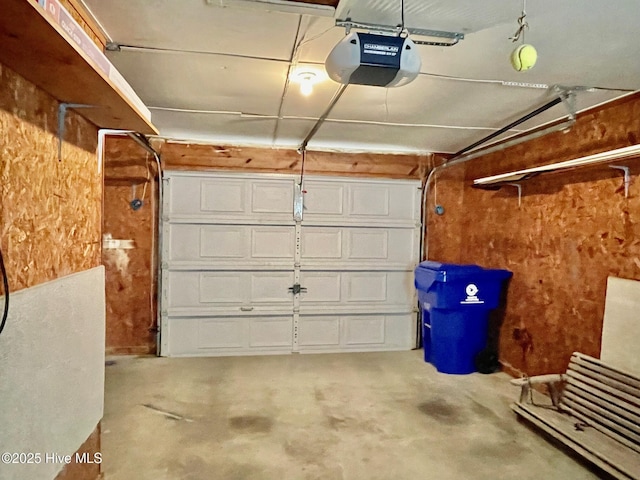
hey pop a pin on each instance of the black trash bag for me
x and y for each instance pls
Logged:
(487, 361)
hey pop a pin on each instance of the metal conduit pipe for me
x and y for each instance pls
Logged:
(156, 227)
(158, 249)
(567, 124)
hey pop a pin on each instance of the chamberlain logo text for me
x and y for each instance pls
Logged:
(377, 49)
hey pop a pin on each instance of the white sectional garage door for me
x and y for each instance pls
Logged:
(241, 276)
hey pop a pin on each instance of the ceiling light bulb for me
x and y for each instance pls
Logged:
(306, 87)
(306, 80)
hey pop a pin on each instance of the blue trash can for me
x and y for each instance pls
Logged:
(456, 301)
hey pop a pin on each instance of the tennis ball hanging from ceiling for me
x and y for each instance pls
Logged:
(524, 57)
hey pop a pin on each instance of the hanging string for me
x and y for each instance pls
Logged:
(144, 189)
(522, 24)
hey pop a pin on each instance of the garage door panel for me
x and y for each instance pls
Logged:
(207, 243)
(268, 288)
(222, 335)
(215, 288)
(272, 197)
(321, 287)
(321, 243)
(319, 331)
(220, 197)
(385, 203)
(342, 247)
(367, 332)
(324, 199)
(216, 242)
(273, 242)
(232, 245)
(368, 244)
(356, 309)
(245, 332)
(369, 201)
(271, 332)
(391, 288)
(226, 289)
(188, 289)
(228, 198)
(367, 287)
(360, 288)
(390, 245)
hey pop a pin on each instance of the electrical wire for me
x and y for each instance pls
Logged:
(293, 63)
(144, 189)
(138, 48)
(5, 283)
(307, 40)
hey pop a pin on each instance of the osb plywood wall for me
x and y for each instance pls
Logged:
(130, 273)
(571, 232)
(49, 209)
(131, 279)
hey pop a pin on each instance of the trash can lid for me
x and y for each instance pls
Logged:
(441, 272)
(429, 272)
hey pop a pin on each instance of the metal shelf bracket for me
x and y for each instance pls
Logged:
(627, 178)
(62, 113)
(519, 187)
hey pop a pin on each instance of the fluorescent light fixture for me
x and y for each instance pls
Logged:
(284, 6)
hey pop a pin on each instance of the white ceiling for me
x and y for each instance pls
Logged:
(218, 73)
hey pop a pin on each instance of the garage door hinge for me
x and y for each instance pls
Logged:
(296, 289)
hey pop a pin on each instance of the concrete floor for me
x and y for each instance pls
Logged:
(347, 416)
